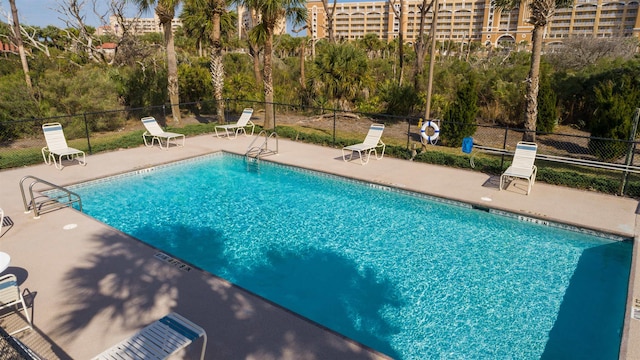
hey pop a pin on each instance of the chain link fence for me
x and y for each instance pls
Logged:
(615, 162)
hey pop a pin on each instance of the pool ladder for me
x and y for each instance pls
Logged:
(254, 153)
(42, 203)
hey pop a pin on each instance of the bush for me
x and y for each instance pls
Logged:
(547, 106)
(613, 118)
(460, 117)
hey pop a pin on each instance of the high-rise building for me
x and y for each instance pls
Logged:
(474, 20)
(139, 26)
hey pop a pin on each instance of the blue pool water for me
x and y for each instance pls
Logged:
(411, 277)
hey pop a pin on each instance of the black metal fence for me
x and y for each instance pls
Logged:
(22, 140)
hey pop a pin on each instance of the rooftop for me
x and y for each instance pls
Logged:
(91, 285)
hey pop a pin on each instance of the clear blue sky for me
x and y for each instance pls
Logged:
(43, 12)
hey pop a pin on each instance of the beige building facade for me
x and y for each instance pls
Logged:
(474, 20)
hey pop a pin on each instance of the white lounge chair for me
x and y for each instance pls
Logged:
(1, 220)
(159, 340)
(523, 165)
(155, 133)
(10, 296)
(57, 147)
(241, 126)
(370, 145)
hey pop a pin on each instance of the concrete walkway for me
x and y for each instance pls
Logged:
(92, 286)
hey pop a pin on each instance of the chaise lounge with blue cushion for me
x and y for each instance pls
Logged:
(158, 340)
(370, 145)
(57, 147)
(155, 133)
(240, 126)
(522, 166)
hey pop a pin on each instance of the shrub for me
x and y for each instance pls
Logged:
(612, 118)
(460, 117)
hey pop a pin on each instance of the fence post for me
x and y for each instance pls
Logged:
(504, 146)
(86, 131)
(334, 126)
(274, 116)
(408, 133)
(632, 148)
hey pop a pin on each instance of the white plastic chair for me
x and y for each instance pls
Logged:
(370, 145)
(243, 122)
(159, 340)
(523, 165)
(155, 133)
(10, 296)
(57, 147)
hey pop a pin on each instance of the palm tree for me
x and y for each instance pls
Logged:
(541, 12)
(272, 13)
(209, 20)
(340, 73)
(165, 9)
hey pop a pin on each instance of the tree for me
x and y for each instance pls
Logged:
(398, 11)
(340, 73)
(18, 40)
(460, 118)
(420, 45)
(211, 20)
(272, 13)
(547, 106)
(541, 13)
(330, 11)
(165, 10)
(580, 52)
(615, 100)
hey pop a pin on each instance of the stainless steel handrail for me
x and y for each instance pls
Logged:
(35, 206)
(263, 149)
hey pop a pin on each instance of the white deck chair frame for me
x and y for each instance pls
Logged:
(240, 126)
(57, 147)
(370, 145)
(10, 296)
(522, 166)
(155, 133)
(158, 340)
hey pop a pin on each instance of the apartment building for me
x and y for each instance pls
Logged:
(152, 25)
(474, 20)
(245, 22)
(138, 26)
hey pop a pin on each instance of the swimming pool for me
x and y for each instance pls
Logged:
(411, 277)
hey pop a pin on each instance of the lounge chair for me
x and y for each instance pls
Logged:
(1, 220)
(57, 147)
(158, 340)
(370, 145)
(241, 126)
(155, 133)
(10, 296)
(522, 166)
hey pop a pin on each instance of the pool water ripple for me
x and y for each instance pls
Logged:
(412, 278)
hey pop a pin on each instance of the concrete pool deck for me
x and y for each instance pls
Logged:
(91, 286)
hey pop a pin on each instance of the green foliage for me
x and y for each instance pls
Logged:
(547, 106)
(460, 117)
(577, 89)
(241, 86)
(15, 104)
(86, 90)
(612, 119)
(142, 85)
(340, 73)
(195, 83)
(399, 100)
